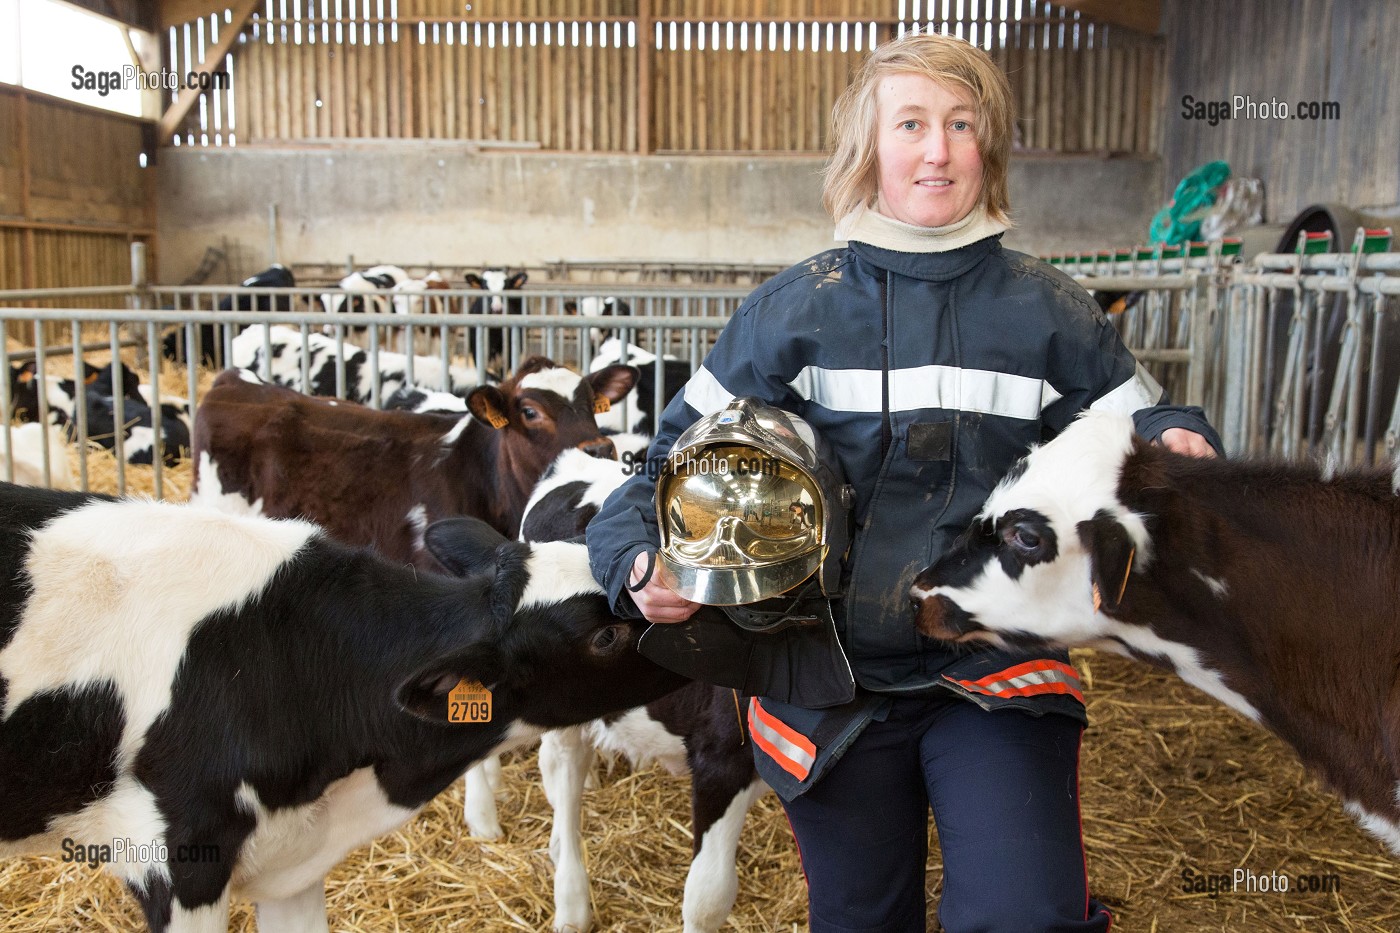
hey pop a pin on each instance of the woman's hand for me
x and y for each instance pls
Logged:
(1182, 441)
(657, 603)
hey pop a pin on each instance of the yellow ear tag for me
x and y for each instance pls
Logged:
(92, 377)
(26, 376)
(497, 420)
(601, 405)
(469, 701)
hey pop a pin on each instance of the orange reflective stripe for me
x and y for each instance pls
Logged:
(792, 750)
(1032, 678)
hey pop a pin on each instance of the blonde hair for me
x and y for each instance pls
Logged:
(850, 173)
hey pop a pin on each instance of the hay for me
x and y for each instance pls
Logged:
(1170, 780)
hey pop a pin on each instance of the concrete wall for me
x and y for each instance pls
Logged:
(418, 201)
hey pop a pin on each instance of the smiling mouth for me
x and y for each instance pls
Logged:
(934, 183)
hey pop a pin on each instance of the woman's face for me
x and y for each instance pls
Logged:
(929, 169)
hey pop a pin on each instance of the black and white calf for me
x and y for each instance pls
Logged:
(495, 282)
(60, 392)
(139, 426)
(322, 354)
(1264, 585)
(25, 453)
(695, 730)
(209, 349)
(99, 396)
(594, 306)
(223, 706)
(363, 291)
(636, 414)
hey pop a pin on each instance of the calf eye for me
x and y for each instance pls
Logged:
(529, 413)
(607, 640)
(1021, 538)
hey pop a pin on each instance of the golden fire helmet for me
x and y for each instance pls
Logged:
(750, 503)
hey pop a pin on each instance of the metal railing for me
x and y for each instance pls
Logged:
(1294, 356)
(1291, 355)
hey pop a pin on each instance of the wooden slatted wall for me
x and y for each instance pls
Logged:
(73, 194)
(1334, 50)
(1080, 86)
(710, 75)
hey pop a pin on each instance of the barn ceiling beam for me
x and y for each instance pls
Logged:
(171, 119)
(1144, 16)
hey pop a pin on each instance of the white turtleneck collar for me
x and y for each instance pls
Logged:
(867, 225)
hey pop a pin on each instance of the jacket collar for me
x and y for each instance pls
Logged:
(931, 267)
(931, 253)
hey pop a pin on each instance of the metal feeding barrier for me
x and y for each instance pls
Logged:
(1290, 355)
(160, 328)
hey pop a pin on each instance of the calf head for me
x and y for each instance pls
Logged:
(59, 392)
(545, 408)
(547, 648)
(497, 281)
(1048, 557)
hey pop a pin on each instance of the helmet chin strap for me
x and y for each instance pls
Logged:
(786, 614)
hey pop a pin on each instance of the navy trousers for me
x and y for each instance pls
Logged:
(1004, 790)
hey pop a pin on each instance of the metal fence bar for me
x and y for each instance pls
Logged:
(1288, 355)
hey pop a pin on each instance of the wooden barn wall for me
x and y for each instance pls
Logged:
(705, 75)
(1292, 50)
(73, 194)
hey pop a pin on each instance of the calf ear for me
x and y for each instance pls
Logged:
(465, 546)
(475, 281)
(1111, 552)
(488, 405)
(426, 694)
(515, 282)
(614, 382)
(469, 546)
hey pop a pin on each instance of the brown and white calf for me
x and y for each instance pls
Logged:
(217, 706)
(1268, 587)
(378, 478)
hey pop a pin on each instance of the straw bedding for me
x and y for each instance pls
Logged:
(1170, 781)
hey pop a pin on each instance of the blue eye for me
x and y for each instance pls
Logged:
(909, 125)
(961, 126)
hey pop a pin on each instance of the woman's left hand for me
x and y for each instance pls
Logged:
(1182, 441)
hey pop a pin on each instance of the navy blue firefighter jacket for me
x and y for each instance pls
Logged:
(930, 374)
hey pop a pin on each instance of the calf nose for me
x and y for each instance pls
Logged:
(601, 447)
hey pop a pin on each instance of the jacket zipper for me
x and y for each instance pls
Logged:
(886, 429)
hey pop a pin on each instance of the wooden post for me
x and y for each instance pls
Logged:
(644, 66)
(27, 243)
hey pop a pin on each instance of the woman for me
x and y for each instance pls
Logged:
(930, 358)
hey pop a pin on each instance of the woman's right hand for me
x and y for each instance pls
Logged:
(657, 603)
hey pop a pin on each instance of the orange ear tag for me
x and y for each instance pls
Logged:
(469, 701)
(497, 420)
(601, 405)
(26, 376)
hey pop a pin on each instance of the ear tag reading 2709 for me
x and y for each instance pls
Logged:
(469, 701)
